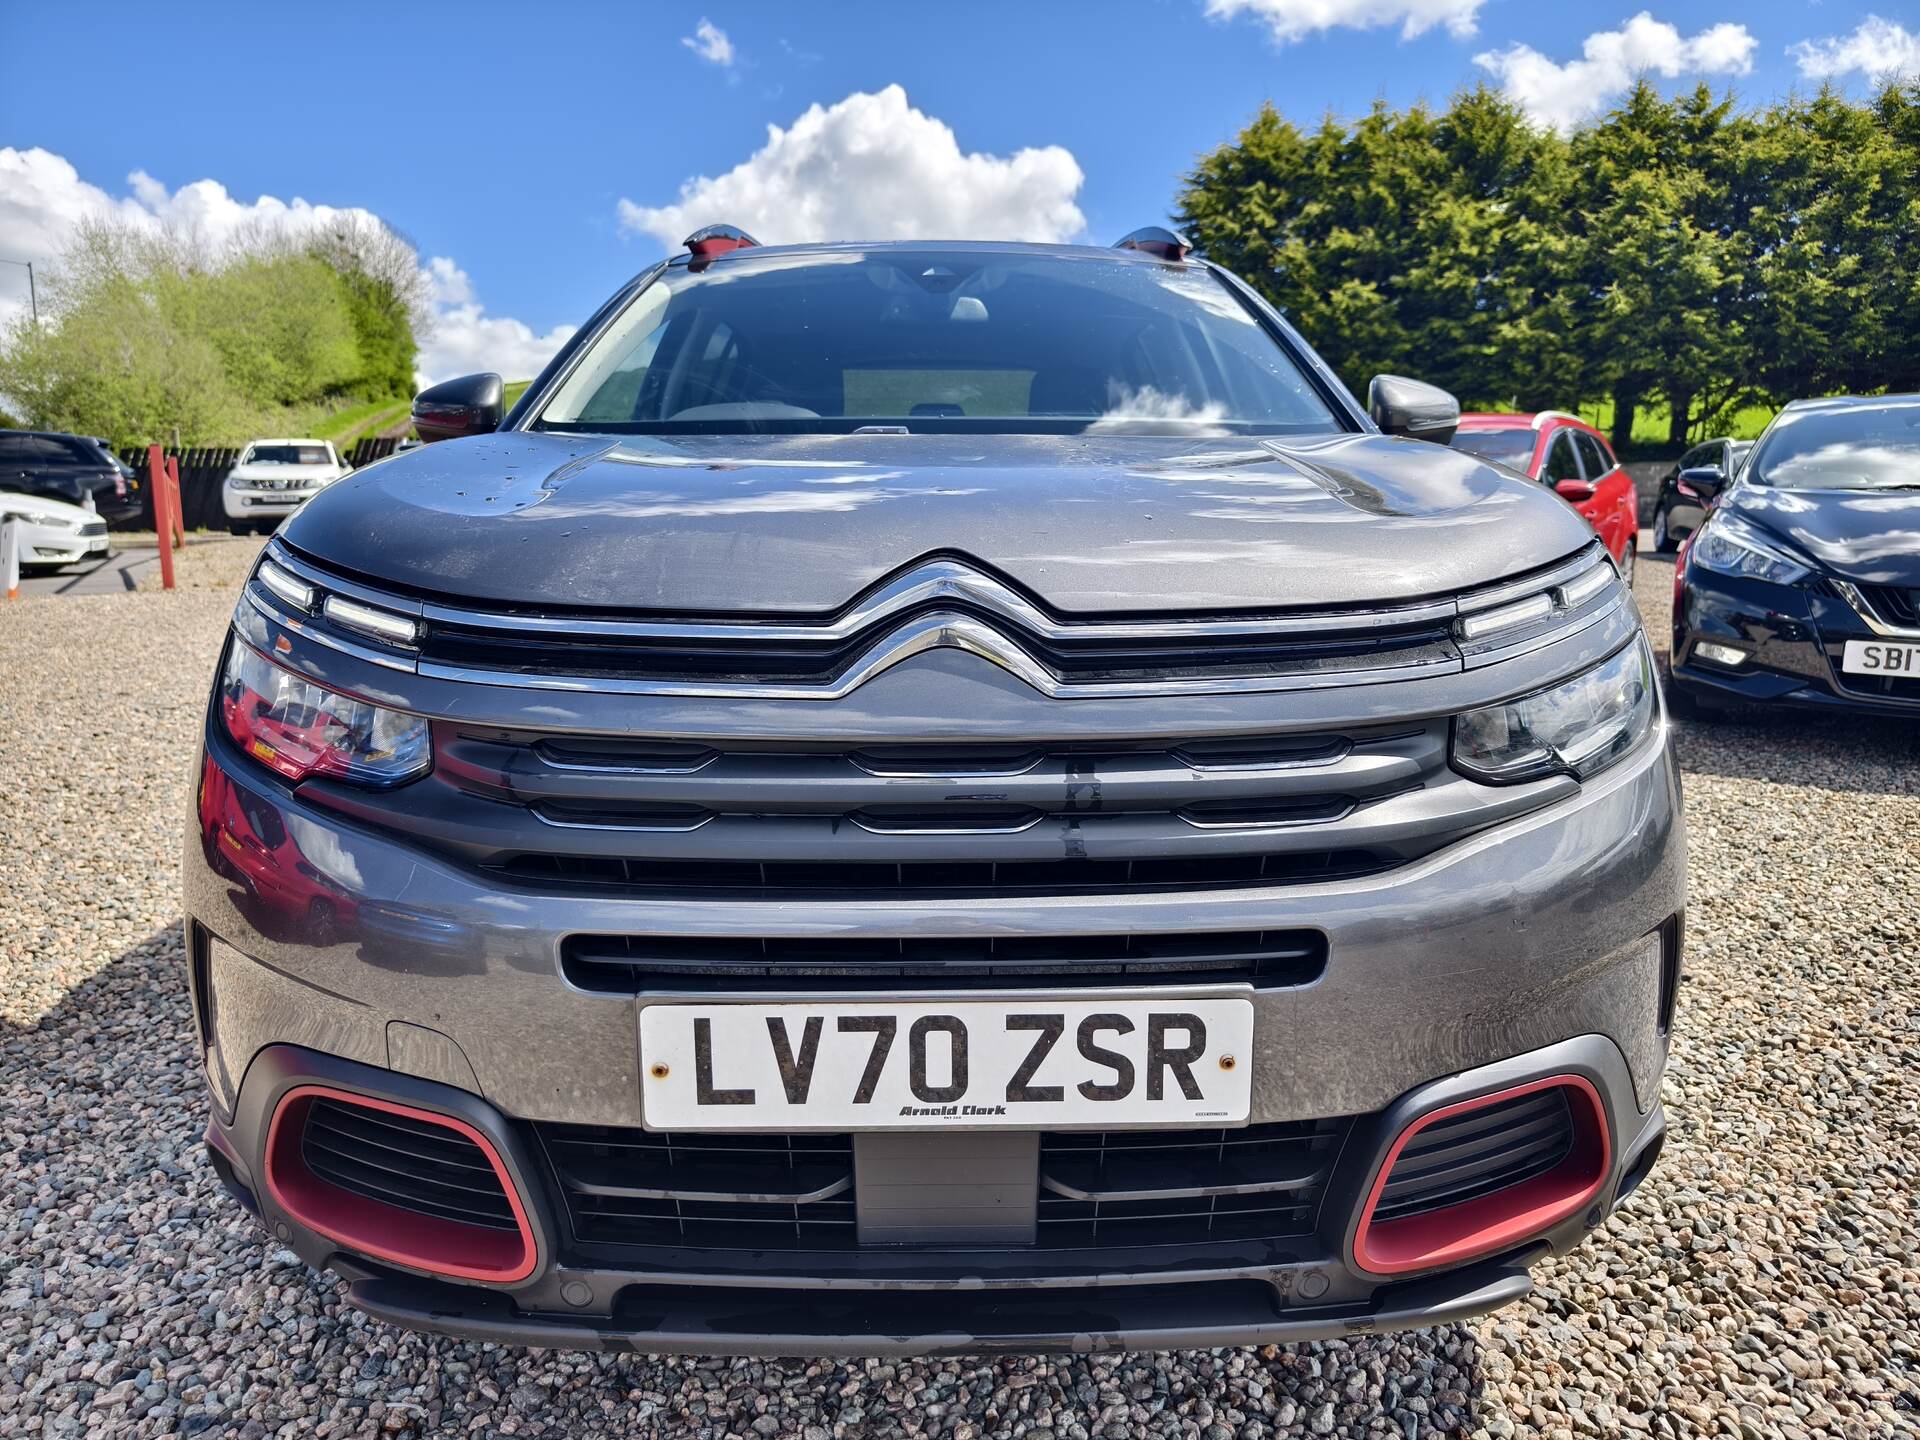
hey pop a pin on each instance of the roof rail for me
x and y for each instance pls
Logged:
(1156, 240)
(1545, 415)
(712, 241)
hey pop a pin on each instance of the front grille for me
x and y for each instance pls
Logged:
(642, 964)
(1117, 1189)
(1478, 1153)
(1894, 604)
(745, 1192)
(399, 1160)
(1182, 1187)
(764, 819)
(92, 528)
(955, 879)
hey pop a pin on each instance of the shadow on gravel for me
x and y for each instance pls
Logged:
(136, 1297)
(1844, 754)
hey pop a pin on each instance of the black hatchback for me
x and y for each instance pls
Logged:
(75, 468)
(1802, 586)
(1687, 490)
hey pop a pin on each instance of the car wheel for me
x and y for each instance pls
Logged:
(1625, 564)
(1662, 540)
(240, 527)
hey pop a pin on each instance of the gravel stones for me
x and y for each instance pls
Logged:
(1765, 1281)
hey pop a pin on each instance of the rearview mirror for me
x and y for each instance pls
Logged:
(1413, 408)
(1575, 490)
(1706, 481)
(471, 405)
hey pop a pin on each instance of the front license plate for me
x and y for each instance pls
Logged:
(1031, 1064)
(1881, 657)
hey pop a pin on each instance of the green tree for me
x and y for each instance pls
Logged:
(1408, 242)
(147, 334)
(1661, 264)
(108, 360)
(281, 325)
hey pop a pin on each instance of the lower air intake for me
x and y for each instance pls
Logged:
(397, 1183)
(1484, 1175)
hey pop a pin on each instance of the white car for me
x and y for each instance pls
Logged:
(52, 532)
(274, 478)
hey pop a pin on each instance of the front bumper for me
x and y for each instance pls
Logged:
(1794, 638)
(245, 504)
(42, 545)
(988, 1300)
(343, 954)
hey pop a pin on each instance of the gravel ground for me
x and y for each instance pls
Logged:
(1765, 1281)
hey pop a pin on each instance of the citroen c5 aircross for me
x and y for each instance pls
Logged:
(933, 797)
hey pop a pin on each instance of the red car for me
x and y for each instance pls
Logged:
(1565, 452)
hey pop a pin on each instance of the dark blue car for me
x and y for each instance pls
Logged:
(1803, 586)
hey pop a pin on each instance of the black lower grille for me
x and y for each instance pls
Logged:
(1184, 1187)
(398, 1160)
(949, 878)
(643, 964)
(1475, 1154)
(748, 1192)
(1119, 1189)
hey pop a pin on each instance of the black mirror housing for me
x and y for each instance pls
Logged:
(1706, 481)
(1413, 408)
(471, 405)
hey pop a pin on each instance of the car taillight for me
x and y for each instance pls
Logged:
(300, 730)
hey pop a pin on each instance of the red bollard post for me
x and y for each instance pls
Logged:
(179, 505)
(163, 507)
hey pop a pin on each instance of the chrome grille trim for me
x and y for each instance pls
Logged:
(1869, 617)
(947, 582)
(1579, 591)
(946, 630)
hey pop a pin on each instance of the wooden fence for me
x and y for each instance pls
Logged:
(203, 468)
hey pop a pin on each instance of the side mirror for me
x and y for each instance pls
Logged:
(471, 405)
(1575, 490)
(1705, 481)
(1413, 408)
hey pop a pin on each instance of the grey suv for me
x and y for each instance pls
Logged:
(933, 797)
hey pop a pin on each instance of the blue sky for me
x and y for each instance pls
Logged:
(535, 155)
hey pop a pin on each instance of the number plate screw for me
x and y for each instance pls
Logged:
(1227, 1062)
(659, 1072)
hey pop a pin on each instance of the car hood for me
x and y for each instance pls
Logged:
(38, 507)
(783, 524)
(1868, 536)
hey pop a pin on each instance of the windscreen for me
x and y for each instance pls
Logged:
(990, 341)
(1513, 448)
(287, 455)
(1865, 448)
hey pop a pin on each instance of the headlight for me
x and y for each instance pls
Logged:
(1577, 727)
(1731, 547)
(294, 727)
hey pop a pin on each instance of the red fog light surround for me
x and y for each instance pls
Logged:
(388, 1231)
(1499, 1220)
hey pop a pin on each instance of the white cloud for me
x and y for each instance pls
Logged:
(43, 200)
(466, 340)
(450, 283)
(1878, 49)
(710, 43)
(1291, 20)
(871, 167)
(1564, 95)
